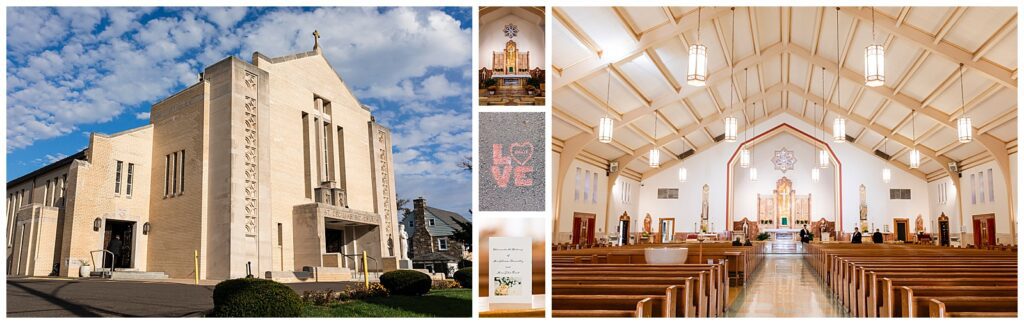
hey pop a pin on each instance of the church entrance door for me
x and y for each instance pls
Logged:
(984, 230)
(902, 228)
(583, 228)
(122, 248)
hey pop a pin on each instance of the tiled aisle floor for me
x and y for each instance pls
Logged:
(785, 287)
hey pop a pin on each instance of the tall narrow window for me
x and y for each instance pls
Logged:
(46, 194)
(117, 178)
(342, 183)
(131, 175)
(327, 152)
(974, 190)
(63, 189)
(280, 234)
(576, 188)
(181, 171)
(991, 188)
(981, 186)
(586, 186)
(174, 173)
(167, 175)
(305, 155)
(593, 196)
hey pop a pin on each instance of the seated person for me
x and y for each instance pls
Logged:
(737, 242)
(747, 243)
(876, 237)
(856, 238)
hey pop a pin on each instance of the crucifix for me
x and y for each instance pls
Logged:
(316, 39)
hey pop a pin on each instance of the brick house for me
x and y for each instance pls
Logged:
(431, 245)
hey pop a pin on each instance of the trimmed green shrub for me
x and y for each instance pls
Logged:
(251, 297)
(406, 282)
(445, 284)
(465, 277)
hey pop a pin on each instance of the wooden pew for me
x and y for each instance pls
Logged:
(708, 286)
(869, 279)
(912, 296)
(640, 306)
(701, 305)
(677, 298)
(972, 307)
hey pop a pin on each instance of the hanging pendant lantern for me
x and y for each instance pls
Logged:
(839, 123)
(606, 125)
(744, 157)
(815, 174)
(654, 158)
(697, 72)
(915, 158)
(604, 129)
(964, 129)
(874, 65)
(874, 59)
(839, 130)
(886, 174)
(730, 129)
(682, 174)
(753, 174)
(822, 159)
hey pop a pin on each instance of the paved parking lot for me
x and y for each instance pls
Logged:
(55, 297)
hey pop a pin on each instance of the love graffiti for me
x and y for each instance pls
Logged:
(503, 170)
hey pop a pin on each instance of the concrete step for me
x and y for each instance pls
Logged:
(129, 275)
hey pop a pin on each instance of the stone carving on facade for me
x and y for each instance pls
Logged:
(385, 185)
(250, 155)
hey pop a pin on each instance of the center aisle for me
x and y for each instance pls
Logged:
(785, 287)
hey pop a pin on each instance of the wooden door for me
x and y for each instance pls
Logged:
(977, 232)
(590, 230)
(577, 226)
(901, 227)
(583, 228)
(991, 231)
(984, 230)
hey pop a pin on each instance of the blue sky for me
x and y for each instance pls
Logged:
(73, 71)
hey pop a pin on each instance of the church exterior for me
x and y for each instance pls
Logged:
(270, 167)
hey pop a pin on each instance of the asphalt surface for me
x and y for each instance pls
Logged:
(55, 297)
(511, 163)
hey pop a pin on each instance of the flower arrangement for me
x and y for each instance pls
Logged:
(505, 284)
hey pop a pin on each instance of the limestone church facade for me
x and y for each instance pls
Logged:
(269, 167)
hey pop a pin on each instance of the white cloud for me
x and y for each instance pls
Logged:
(377, 51)
(142, 115)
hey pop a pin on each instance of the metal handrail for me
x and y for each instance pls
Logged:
(357, 263)
(92, 256)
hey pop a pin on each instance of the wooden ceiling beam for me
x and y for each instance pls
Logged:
(926, 41)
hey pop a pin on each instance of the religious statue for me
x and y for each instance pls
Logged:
(647, 223)
(863, 207)
(704, 210)
(704, 204)
(405, 239)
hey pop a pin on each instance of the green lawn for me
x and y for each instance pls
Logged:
(436, 303)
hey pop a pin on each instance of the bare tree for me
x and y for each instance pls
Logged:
(466, 163)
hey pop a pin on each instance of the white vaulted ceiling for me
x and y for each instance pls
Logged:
(784, 50)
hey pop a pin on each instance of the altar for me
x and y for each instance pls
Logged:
(783, 208)
(511, 81)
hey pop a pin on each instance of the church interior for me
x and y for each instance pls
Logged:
(784, 161)
(511, 71)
